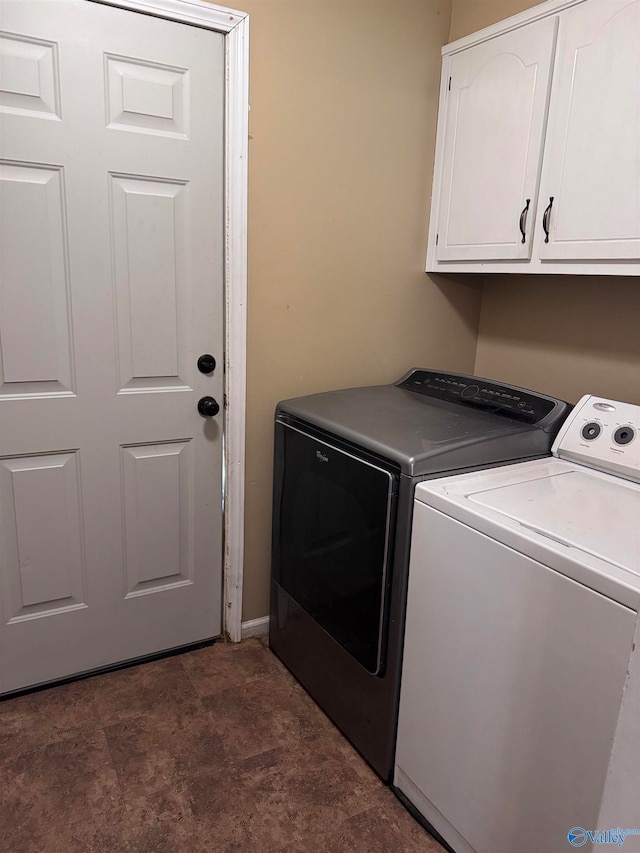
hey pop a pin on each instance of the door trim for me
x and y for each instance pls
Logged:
(235, 27)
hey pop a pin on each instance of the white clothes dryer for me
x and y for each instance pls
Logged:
(519, 721)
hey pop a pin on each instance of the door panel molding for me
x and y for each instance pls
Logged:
(31, 66)
(40, 517)
(36, 349)
(235, 26)
(159, 535)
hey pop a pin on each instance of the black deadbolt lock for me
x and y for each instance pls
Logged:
(208, 407)
(206, 363)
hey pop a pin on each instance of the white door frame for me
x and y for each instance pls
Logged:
(235, 27)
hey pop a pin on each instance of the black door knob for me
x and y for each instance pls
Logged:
(206, 363)
(208, 407)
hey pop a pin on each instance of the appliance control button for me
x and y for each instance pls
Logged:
(591, 430)
(624, 435)
(604, 407)
(470, 391)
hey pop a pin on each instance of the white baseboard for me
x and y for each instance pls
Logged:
(255, 627)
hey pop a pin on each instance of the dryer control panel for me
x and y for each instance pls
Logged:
(603, 434)
(519, 404)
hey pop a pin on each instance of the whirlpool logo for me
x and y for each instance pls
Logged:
(578, 837)
(321, 456)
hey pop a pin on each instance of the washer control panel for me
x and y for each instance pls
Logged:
(602, 434)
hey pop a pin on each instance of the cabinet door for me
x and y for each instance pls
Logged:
(496, 107)
(592, 155)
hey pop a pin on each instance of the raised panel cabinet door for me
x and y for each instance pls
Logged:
(591, 173)
(111, 287)
(496, 108)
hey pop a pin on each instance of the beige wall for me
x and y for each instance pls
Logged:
(467, 16)
(343, 110)
(567, 335)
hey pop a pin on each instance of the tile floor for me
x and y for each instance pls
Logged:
(214, 750)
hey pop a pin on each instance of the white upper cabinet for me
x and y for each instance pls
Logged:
(538, 153)
(496, 107)
(592, 155)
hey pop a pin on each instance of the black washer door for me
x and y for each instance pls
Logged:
(332, 540)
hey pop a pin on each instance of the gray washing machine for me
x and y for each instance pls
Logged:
(346, 466)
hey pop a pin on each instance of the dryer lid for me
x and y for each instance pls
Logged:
(431, 422)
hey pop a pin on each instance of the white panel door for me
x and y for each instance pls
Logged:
(591, 172)
(111, 287)
(494, 130)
